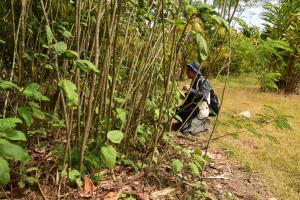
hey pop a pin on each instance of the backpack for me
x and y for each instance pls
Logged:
(214, 103)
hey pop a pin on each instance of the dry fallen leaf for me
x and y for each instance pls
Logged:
(88, 185)
(116, 195)
(88, 188)
(111, 196)
(143, 196)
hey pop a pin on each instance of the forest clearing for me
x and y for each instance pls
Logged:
(149, 99)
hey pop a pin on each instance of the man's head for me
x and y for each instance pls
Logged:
(192, 70)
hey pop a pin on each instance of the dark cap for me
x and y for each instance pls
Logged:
(194, 66)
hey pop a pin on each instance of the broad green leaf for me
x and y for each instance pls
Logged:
(12, 152)
(69, 54)
(60, 47)
(115, 136)
(86, 66)
(79, 182)
(109, 156)
(7, 85)
(73, 174)
(194, 168)
(119, 99)
(13, 135)
(67, 34)
(37, 113)
(41, 56)
(25, 114)
(222, 22)
(48, 66)
(9, 123)
(49, 35)
(32, 91)
(69, 89)
(202, 46)
(177, 165)
(121, 114)
(33, 104)
(4, 172)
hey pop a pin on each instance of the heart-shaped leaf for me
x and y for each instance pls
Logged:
(13, 135)
(12, 152)
(202, 46)
(68, 54)
(69, 89)
(9, 123)
(109, 156)
(25, 114)
(86, 66)
(49, 35)
(60, 47)
(7, 85)
(115, 136)
(32, 91)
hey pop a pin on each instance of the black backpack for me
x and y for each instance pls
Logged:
(214, 104)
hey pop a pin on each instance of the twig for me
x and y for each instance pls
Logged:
(222, 97)
(223, 176)
(41, 190)
(4, 192)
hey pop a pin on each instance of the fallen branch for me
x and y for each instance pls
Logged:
(163, 192)
(223, 176)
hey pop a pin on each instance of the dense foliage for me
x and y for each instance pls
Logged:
(98, 80)
(274, 53)
(103, 72)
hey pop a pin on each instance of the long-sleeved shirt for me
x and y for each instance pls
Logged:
(200, 91)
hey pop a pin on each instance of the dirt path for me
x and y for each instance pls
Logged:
(224, 175)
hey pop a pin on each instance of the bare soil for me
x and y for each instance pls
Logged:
(226, 175)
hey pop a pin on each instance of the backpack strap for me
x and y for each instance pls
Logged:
(202, 84)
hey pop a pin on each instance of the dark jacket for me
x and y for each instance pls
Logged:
(199, 91)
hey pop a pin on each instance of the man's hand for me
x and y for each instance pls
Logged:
(186, 88)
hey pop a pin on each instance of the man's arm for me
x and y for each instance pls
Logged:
(201, 92)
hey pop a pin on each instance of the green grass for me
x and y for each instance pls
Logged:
(242, 81)
(278, 164)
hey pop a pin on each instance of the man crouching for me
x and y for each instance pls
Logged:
(194, 111)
